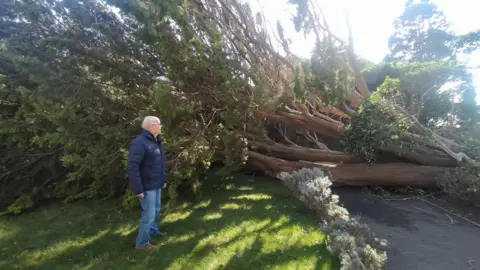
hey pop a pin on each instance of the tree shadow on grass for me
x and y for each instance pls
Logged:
(237, 226)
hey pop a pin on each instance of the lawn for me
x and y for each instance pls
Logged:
(244, 223)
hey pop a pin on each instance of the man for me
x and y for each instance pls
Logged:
(146, 173)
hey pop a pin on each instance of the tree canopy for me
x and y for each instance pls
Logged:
(427, 50)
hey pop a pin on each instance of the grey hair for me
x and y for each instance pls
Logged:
(148, 120)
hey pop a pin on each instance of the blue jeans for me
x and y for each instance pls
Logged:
(148, 223)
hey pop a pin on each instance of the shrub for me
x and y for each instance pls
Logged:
(348, 239)
(462, 182)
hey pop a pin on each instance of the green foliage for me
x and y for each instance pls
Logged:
(328, 75)
(462, 182)
(21, 204)
(325, 74)
(366, 133)
(429, 90)
(301, 20)
(79, 78)
(469, 42)
(298, 88)
(469, 139)
(201, 96)
(130, 201)
(375, 75)
(373, 126)
(422, 83)
(424, 39)
(421, 34)
(75, 89)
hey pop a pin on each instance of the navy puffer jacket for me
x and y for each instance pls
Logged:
(146, 163)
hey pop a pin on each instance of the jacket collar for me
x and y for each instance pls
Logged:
(150, 136)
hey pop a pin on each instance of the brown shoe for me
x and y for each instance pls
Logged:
(160, 234)
(148, 246)
(153, 243)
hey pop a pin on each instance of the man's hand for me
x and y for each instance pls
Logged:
(140, 195)
(165, 185)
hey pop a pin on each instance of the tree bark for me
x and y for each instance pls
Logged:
(389, 174)
(426, 152)
(296, 153)
(422, 155)
(302, 122)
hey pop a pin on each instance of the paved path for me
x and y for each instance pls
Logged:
(420, 236)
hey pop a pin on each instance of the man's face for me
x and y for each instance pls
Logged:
(156, 128)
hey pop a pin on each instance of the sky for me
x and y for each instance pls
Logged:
(372, 24)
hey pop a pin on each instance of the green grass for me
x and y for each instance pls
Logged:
(246, 223)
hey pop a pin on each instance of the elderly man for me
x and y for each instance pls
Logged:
(146, 173)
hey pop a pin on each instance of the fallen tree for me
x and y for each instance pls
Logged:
(225, 85)
(361, 174)
(299, 110)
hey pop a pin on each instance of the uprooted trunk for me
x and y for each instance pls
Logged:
(290, 99)
(419, 166)
(389, 174)
(426, 152)
(295, 153)
(360, 174)
(422, 155)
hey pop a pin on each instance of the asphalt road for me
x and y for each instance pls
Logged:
(419, 234)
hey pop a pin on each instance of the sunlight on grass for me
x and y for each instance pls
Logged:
(300, 263)
(291, 236)
(216, 250)
(203, 204)
(239, 188)
(229, 234)
(37, 257)
(126, 229)
(229, 244)
(212, 216)
(7, 230)
(178, 239)
(233, 206)
(280, 222)
(183, 206)
(211, 258)
(253, 197)
(236, 226)
(176, 216)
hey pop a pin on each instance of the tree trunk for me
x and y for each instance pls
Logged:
(389, 174)
(302, 119)
(428, 159)
(422, 155)
(296, 153)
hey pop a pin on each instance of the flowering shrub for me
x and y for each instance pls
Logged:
(348, 239)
